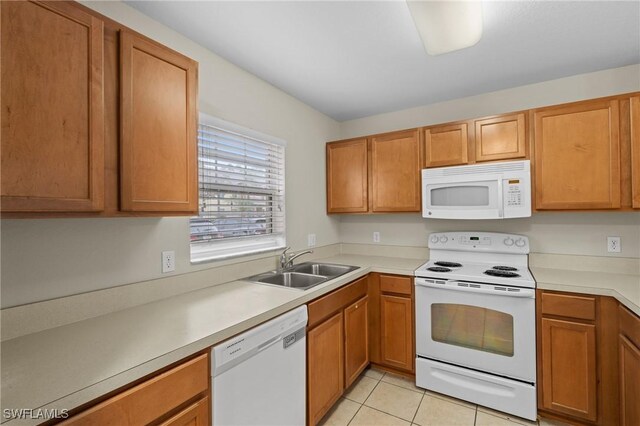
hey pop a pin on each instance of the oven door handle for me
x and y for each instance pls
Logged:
(455, 286)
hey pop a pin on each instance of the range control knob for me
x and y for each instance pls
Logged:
(508, 241)
(434, 239)
(444, 239)
(520, 242)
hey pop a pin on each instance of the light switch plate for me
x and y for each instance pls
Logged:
(311, 240)
(376, 237)
(168, 261)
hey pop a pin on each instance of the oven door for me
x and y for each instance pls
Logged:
(485, 327)
(460, 197)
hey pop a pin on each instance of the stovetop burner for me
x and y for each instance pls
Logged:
(448, 264)
(505, 268)
(438, 269)
(502, 274)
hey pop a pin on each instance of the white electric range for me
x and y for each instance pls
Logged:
(475, 321)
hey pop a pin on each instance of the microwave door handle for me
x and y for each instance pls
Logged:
(500, 199)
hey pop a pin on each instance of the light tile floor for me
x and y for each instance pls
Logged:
(385, 399)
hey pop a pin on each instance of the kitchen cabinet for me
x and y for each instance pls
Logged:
(569, 367)
(635, 151)
(52, 108)
(377, 174)
(179, 396)
(110, 131)
(577, 357)
(159, 121)
(577, 156)
(356, 341)
(347, 187)
(325, 374)
(501, 138)
(629, 374)
(392, 342)
(395, 172)
(337, 350)
(446, 145)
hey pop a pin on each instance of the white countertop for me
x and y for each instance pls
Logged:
(67, 366)
(624, 287)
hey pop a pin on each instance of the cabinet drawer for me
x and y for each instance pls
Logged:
(566, 305)
(395, 284)
(149, 400)
(629, 325)
(325, 306)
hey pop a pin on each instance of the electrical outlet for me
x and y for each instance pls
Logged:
(376, 237)
(613, 245)
(168, 261)
(311, 240)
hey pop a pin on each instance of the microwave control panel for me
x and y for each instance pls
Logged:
(513, 192)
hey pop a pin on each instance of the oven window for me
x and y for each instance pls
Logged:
(472, 327)
(450, 196)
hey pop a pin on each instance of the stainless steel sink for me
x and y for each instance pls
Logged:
(325, 269)
(302, 276)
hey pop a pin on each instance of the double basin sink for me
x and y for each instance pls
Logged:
(302, 276)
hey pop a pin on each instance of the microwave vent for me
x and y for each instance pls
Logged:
(516, 166)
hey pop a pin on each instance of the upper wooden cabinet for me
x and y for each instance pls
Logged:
(97, 120)
(577, 156)
(395, 172)
(379, 174)
(501, 138)
(159, 121)
(635, 151)
(52, 108)
(446, 145)
(347, 176)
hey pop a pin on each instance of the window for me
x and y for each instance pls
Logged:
(241, 183)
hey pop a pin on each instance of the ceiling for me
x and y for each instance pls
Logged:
(350, 59)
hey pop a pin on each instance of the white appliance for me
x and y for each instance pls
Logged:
(259, 376)
(481, 191)
(475, 321)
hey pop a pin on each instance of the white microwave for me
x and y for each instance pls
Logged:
(480, 191)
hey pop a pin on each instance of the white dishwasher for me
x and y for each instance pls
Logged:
(259, 376)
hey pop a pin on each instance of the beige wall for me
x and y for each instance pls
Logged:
(51, 258)
(566, 233)
(44, 259)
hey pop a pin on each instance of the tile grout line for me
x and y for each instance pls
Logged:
(389, 414)
(418, 409)
(362, 403)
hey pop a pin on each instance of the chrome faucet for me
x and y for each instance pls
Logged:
(286, 260)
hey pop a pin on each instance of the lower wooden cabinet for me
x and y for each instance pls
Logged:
(179, 396)
(337, 345)
(629, 368)
(397, 332)
(325, 374)
(569, 368)
(356, 340)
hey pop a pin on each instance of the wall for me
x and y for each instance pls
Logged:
(560, 233)
(50, 258)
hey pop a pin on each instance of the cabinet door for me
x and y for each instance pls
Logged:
(356, 340)
(501, 138)
(577, 152)
(446, 145)
(395, 172)
(569, 368)
(325, 373)
(397, 332)
(52, 108)
(347, 177)
(629, 382)
(158, 125)
(194, 415)
(635, 152)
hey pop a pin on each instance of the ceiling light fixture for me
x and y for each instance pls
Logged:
(445, 26)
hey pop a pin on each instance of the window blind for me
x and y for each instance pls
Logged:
(241, 183)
